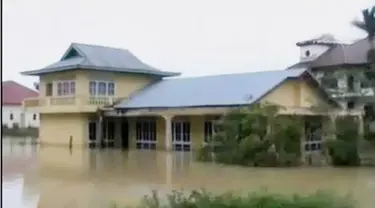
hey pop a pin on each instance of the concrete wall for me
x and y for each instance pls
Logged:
(23, 118)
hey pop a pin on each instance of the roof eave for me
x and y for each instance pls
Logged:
(107, 69)
(320, 89)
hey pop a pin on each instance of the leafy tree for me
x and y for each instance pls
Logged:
(367, 24)
(255, 136)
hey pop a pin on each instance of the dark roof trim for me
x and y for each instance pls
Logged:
(345, 66)
(72, 47)
(104, 69)
(315, 42)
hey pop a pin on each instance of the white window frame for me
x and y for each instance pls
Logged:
(182, 133)
(310, 142)
(144, 137)
(69, 91)
(213, 128)
(95, 93)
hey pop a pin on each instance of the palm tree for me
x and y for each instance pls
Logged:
(367, 24)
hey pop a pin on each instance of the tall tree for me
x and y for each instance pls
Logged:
(367, 24)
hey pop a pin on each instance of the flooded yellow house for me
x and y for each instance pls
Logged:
(97, 96)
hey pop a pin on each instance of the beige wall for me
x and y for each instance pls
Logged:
(56, 129)
(295, 93)
(125, 84)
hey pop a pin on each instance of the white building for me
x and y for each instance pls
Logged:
(13, 114)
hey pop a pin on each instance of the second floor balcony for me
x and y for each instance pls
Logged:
(69, 104)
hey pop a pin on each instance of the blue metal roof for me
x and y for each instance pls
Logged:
(100, 58)
(218, 90)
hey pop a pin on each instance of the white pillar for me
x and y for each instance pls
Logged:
(168, 132)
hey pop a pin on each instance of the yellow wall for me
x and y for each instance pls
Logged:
(295, 93)
(125, 84)
(56, 129)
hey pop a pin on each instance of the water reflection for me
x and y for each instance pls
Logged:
(93, 178)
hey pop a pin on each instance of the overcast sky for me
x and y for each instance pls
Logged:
(195, 37)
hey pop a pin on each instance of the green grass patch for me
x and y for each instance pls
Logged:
(263, 199)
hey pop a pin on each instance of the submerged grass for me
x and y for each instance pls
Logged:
(263, 199)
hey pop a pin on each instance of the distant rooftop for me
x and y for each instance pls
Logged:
(101, 58)
(14, 93)
(324, 39)
(340, 54)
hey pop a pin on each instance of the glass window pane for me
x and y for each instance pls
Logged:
(92, 88)
(72, 88)
(59, 88)
(65, 88)
(111, 88)
(102, 88)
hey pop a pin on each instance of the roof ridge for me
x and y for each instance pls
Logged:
(99, 46)
(220, 75)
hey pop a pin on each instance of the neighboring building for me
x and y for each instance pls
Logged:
(13, 112)
(342, 69)
(105, 96)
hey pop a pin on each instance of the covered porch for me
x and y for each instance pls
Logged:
(187, 129)
(179, 131)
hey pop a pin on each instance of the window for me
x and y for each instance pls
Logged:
(181, 134)
(34, 117)
(92, 88)
(111, 88)
(146, 134)
(210, 128)
(307, 53)
(350, 83)
(49, 89)
(329, 82)
(102, 88)
(313, 136)
(66, 88)
(351, 105)
(11, 116)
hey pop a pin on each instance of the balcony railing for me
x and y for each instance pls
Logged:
(340, 93)
(70, 101)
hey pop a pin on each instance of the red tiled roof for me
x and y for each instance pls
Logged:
(14, 93)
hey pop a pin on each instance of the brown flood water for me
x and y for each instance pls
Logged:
(56, 177)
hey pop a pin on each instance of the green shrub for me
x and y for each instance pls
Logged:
(255, 136)
(203, 199)
(344, 149)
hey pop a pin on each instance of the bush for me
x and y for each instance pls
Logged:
(255, 136)
(203, 199)
(344, 149)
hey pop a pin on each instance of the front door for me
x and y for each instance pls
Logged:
(181, 135)
(146, 134)
(124, 134)
(92, 134)
(108, 133)
(313, 130)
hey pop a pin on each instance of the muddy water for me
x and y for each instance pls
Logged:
(56, 177)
